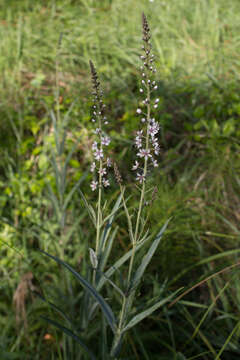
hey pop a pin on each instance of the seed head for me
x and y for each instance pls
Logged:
(145, 29)
(117, 174)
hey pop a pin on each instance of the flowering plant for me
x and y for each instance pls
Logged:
(146, 142)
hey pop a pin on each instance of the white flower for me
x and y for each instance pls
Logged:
(155, 163)
(105, 183)
(94, 185)
(105, 140)
(98, 154)
(102, 172)
(144, 153)
(138, 142)
(97, 131)
(136, 165)
(93, 166)
(109, 162)
(94, 145)
(153, 128)
(140, 178)
(139, 111)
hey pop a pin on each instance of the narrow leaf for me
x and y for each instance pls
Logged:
(89, 208)
(71, 334)
(107, 250)
(54, 200)
(114, 210)
(55, 127)
(71, 193)
(104, 306)
(147, 258)
(139, 317)
(119, 263)
(53, 306)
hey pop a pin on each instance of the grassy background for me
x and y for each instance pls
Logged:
(196, 44)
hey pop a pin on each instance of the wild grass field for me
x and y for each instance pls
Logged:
(46, 137)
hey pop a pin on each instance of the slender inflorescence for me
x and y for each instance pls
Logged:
(146, 140)
(101, 162)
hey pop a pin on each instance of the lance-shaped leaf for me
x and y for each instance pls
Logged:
(71, 193)
(139, 317)
(53, 306)
(103, 304)
(119, 263)
(89, 208)
(107, 250)
(147, 258)
(71, 334)
(56, 132)
(114, 210)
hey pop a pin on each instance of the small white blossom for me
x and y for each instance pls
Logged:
(98, 154)
(156, 150)
(138, 142)
(140, 178)
(93, 166)
(144, 153)
(109, 162)
(155, 163)
(136, 165)
(105, 183)
(93, 185)
(94, 145)
(102, 171)
(139, 111)
(105, 140)
(141, 90)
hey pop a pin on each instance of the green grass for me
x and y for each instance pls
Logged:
(191, 39)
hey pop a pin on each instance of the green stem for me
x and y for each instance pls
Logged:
(125, 303)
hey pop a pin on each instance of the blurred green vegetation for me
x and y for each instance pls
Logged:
(196, 44)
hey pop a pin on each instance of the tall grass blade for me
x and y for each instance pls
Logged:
(104, 306)
(107, 251)
(119, 263)
(56, 133)
(71, 193)
(139, 317)
(71, 334)
(235, 329)
(89, 208)
(147, 258)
